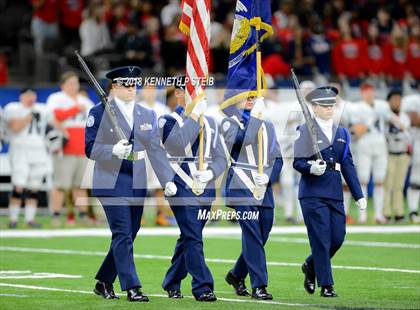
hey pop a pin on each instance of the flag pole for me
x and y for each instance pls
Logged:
(201, 144)
(258, 64)
(201, 137)
(259, 190)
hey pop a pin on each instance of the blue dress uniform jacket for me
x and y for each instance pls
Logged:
(113, 177)
(321, 197)
(241, 140)
(121, 185)
(241, 137)
(329, 184)
(180, 137)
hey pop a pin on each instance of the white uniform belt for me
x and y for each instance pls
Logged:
(331, 165)
(244, 166)
(181, 160)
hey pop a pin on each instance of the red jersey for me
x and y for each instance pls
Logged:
(350, 57)
(67, 111)
(377, 58)
(48, 12)
(4, 75)
(285, 36)
(397, 65)
(71, 13)
(413, 58)
(275, 66)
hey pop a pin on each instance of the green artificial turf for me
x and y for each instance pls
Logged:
(356, 288)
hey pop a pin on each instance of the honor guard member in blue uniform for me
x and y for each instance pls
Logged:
(119, 179)
(196, 191)
(320, 188)
(248, 191)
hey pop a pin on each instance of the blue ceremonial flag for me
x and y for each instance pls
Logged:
(242, 72)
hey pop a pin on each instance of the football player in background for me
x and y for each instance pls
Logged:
(70, 109)
(26, 123)
(411, 106)
(368, 120)
(398, 140)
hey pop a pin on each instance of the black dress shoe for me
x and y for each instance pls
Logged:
(106, 290)
(207, 296)
(328, 291)
(175, 294)
(309, 282)
(237, 283)
(261, 293)
(135, 294)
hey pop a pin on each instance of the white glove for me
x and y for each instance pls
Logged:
(362, 204)
(258, 107)
(318, 167)
(204, 176)
(261, 179)
(122, 149)
(170, 189)
(200, 107)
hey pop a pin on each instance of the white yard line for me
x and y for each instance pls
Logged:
(43, 288)
(27, 274)
(210, 260)
(157, 295)
(214, 232)
(43, 275)
(13, 295)
(346, 242)
(208, 231)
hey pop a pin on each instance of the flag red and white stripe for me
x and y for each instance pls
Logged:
(195, 23)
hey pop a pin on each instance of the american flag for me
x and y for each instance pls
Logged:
(195, 23)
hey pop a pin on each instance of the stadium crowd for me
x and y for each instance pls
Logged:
(320, 39)
(345, 42)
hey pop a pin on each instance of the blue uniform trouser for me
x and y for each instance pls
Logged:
(124, 222)
(189, 256)
(255, 234)
(325, 221)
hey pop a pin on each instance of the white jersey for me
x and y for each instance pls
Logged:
(410, 104)
(286, 117)
(343, 113)
(398, 140)
(159, 108)
(30, 139)
(375, 117)
(60, 100)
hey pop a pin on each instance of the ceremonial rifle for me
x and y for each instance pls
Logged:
(308, 117)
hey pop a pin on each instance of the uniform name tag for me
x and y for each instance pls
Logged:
(341, 140)
(146, 126)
